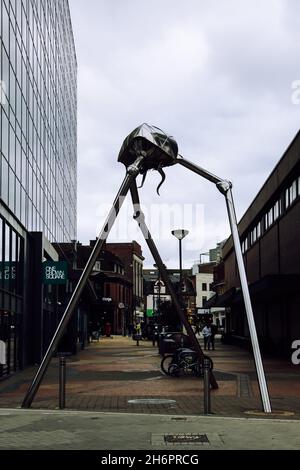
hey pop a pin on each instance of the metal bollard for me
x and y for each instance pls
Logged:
(62, 382)
(206, 380)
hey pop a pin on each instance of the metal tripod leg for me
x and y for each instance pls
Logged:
(248, 307)
(140, 218)
(225, 188)
(132, 172)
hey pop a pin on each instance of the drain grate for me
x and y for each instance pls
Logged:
(186, 439)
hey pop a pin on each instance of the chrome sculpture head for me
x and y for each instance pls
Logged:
(159, 150)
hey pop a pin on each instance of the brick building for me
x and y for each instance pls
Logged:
(131, 255)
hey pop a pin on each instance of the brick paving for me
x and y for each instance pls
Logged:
(109, 374)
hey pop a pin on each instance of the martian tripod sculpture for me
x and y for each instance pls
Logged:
(149, 148)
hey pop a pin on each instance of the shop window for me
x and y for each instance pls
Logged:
(258, 229)
(276, 210)
(287, 198)
(270, 217)
(293, 191)
(253, 236)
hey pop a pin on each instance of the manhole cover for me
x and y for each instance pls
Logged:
(186, 439)
(151, 401)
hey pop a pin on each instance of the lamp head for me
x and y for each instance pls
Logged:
(180, 233)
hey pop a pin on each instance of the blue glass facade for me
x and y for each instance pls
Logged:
(38, 164)
(38, 116)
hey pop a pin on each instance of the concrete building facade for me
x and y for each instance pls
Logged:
(269, 232)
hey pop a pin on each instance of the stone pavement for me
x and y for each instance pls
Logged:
(116, 375)
(172, 434)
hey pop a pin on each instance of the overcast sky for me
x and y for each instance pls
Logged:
(216, 75)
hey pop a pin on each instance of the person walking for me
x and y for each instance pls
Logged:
(206, 331)
(214, 331)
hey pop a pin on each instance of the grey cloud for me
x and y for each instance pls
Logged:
(216, 75)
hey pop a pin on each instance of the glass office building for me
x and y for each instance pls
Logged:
(38, 141)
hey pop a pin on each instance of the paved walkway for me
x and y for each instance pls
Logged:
(106, 432)
(115, 375)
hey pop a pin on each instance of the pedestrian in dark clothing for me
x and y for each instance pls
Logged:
(214, 330)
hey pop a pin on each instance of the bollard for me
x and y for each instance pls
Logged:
(206, 380)
(137, 340)
(62, 382)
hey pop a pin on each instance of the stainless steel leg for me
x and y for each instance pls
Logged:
(139, 217)
(132, 172)
(225, 188)
(248, 306)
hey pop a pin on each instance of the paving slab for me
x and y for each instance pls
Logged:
(116, 375)
(82, 430)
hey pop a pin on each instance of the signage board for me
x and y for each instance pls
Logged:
(203, 311)
(55, 272)
(149, 312)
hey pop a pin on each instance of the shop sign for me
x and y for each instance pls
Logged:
(55, 272)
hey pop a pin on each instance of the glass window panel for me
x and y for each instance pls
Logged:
(18, 159)
(266, 221)
(4, 181)
(18, 200)
(12, 147)
(6, 243)
(5, 27)
(12, 89)
(258, 228)
(19, 65)
(276, 210)
(23, 170)
(287, 198)
(293, 191)
(13, 246)
(270, 215)
(5, 135)
(29, 207)
(11, 191)
(5, 71)
(18, 104)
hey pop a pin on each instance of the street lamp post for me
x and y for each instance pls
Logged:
(180, 234)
